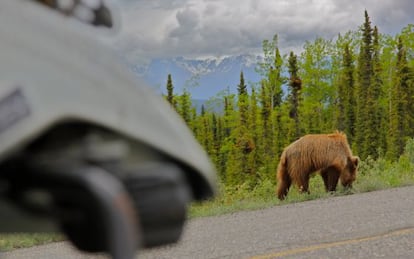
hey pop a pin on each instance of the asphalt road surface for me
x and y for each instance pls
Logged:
(370, 225)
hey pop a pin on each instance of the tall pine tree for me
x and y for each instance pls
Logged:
(244, 140)
(295, 85)
(184, 106)
(399, 118)
(346, 95)
(170, 91)
(365, 71)
(372, 130)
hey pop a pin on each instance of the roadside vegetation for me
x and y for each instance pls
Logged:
(22, 240)
(372, 175)
(360, 83)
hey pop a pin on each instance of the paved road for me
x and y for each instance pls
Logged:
(368, 225)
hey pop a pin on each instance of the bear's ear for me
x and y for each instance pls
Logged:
(355, 161)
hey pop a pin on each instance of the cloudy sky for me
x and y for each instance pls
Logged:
(206, 28)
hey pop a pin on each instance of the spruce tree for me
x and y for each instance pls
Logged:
(346, 95)
(254, 122)
(207, 133)
(405, 79)
(365, 72)
(242, 100)
(295, 85)
(228, 150)
(244, 140)
(170, 91)
(184, 106)
(229, 115)
(217, 137)
(221, 151)
(372, 132)
(398, 117)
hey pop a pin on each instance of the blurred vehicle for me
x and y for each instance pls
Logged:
(85, 148)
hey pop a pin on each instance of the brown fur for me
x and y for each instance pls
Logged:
(328, 153)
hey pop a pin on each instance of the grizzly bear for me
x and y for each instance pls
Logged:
(328, 153)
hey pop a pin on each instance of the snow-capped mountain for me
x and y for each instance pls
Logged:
(203, 78)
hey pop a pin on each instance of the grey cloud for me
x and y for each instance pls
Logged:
(187, 18)
(187, 23)
(393, 12)
(158, 28)
(210, 9)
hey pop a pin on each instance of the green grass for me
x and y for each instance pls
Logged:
(372, 175)
(258, 198)
(13, 241)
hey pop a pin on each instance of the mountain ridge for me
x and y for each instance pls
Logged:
(203, 78)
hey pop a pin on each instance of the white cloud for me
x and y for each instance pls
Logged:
(191, 28)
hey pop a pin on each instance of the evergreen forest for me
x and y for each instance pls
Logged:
(360, 83)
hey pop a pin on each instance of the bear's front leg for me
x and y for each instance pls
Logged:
(283, 185)
(330, 177)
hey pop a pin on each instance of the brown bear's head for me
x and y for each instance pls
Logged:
(348, 176)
